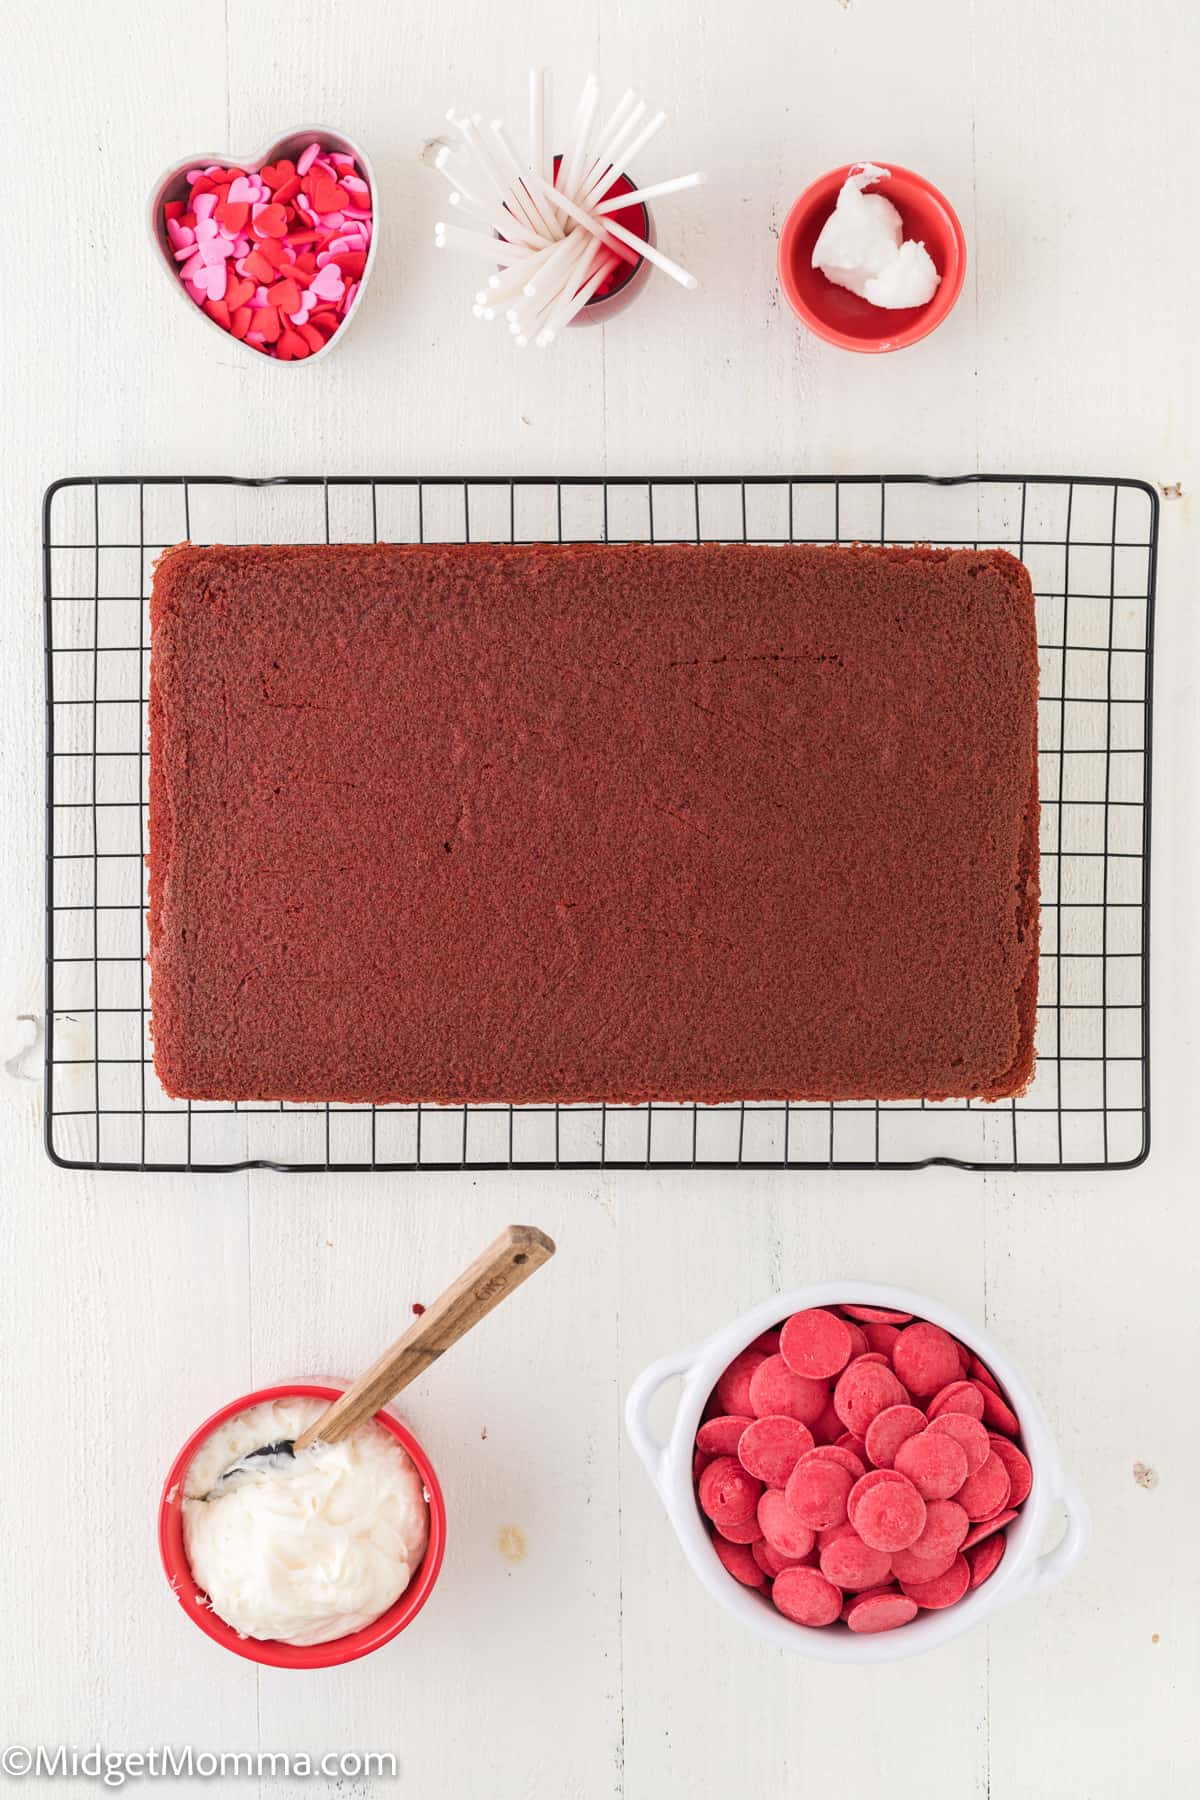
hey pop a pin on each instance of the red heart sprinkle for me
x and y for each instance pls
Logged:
(234, 217)
(270, 222)
(286, 296)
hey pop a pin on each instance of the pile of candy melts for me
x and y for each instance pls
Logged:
(275, 255)
(860, 1466)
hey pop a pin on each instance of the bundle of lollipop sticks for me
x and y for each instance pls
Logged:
(546, 224)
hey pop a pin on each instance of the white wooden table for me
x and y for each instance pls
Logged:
(592, 1663)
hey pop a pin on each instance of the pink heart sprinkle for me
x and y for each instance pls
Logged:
(241, 189)
(213, 280)
(205, 207)
(306, 159)
(348, 297)
(215, 252)
(191, 269)
(327, 283)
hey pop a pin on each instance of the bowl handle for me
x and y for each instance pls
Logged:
(1050, 1569)
(637, 1406)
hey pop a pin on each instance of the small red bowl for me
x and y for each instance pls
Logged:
(268, 1650)
(846, 319)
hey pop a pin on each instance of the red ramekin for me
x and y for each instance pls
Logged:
(846, 319)
(268, 1650)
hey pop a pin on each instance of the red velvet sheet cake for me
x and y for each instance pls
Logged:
(590, 822)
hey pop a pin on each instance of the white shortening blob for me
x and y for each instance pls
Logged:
(862, 247)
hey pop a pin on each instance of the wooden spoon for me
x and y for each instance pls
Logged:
(499, 1271)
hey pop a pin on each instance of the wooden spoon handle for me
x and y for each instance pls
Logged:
(504, 1265)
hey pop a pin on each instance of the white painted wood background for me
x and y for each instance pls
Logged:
(130, 1307)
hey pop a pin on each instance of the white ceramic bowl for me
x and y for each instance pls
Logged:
(1023, 1570)
(174, 186)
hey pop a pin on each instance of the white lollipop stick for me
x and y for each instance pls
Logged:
(497, 219)
(571, 167)
(546, 227)
(570, 304)
(537, 121)
(652, 192)
(546, 278)
(502, 287)
(476, 243)
(608, 132)
(599, 228)
(652, 254)
(607, 150)
(441, 163)
(598, 189)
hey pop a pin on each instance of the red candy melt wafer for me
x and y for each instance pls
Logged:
(945, 1590)
(935, 1464)
(767, 1342)
(770, 1561)
(877, 1315)
(946, 1526)
(828, 1428)
(909, 1567)
(720, 1436)
(771, 1447)
(727, 1493)
(888, 1430)
(805, 1596)
(775, 1389)
(997, 1413)
(881, 1338)
(733, 1387)
(887, 1511)
(849, 1563)
(817, 1491)
(985, 1558)
(781, 1528)
(864, 1389)
(838, 1453)
(986, 1492)
(925, 1358)
(815, 1343)
(1020, 1474)
(740, 1563)
(738, 1531)
(957, 1397)
(965, 1431)
(882, 1610)
(998, 1522)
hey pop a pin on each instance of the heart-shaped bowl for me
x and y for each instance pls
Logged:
(174, 186)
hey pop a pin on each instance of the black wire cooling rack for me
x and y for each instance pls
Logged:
(1090, 545)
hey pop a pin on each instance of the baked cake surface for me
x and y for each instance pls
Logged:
(592, 822)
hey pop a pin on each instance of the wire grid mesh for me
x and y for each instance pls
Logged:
(1090, 546)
